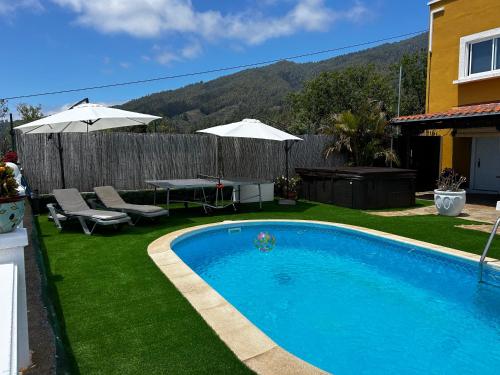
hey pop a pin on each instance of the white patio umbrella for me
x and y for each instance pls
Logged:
(84, 117)
(251, 128)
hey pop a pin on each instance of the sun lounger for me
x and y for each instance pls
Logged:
(112, 201)
(72, 206)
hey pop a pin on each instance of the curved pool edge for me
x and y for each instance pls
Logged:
(253, 347)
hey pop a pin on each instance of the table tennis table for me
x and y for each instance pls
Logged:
(203, 185)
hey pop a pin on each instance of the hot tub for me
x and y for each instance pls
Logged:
(359, 187)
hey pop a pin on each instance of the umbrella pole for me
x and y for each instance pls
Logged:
(286, 171)
(217, 156)
(60, 149)
(288, 147)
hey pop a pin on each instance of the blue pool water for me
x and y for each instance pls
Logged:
(352, 303)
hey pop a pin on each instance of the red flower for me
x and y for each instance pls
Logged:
(10, 157)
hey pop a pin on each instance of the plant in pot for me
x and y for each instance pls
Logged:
(293, 188)
(11, 202)
(449, 198)
(287, 188)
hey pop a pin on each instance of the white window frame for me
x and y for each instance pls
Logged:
(465, 56)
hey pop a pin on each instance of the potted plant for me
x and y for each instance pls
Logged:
(11, 203)
(292, 188)
(449, 198)
(287, 188)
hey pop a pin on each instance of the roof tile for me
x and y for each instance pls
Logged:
(464, 111)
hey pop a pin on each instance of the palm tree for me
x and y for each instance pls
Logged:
(361, 135)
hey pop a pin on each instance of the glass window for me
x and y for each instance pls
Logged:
(497, 49)
(480, 57)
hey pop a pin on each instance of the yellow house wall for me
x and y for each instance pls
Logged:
(460, 18)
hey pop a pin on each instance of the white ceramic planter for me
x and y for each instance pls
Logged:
(449, 203)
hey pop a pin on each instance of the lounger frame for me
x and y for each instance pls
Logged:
(139, 214)
(99, 203)
(59, 215)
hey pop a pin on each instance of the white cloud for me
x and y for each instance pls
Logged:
(154, 17)
(357, 13)
(192, 50)
(166, 56)
(10, 6)
(125, 64)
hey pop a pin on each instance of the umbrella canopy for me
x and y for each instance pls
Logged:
(250, 128)
(86, 117)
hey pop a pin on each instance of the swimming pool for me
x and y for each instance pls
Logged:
(350, 302)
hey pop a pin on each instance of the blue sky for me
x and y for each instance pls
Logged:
(51, 45)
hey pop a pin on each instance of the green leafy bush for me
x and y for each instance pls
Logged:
(8, 184)
(280, 185)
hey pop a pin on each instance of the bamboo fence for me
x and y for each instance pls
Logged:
(126, 160)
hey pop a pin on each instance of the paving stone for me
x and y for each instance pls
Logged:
(472, 212)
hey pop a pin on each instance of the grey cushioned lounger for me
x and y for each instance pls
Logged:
(112, 200)
(73, 206)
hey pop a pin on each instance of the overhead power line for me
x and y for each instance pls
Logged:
(215, 70)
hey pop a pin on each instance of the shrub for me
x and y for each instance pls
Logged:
(8, 184)
(450, 180)
(280, 185)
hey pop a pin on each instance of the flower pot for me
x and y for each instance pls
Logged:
(449, 203)
(11, 213)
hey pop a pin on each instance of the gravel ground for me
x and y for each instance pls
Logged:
(41, 336)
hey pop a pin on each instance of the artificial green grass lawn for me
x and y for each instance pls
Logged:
(120, 315)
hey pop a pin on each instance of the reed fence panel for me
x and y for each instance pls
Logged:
(126, 160)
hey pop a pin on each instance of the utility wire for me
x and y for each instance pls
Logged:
(216, 70)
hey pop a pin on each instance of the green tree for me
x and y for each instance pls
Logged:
(28, 112)
(163, 125)
(361, 135)
(413, 82)
(5, 141)
(3, 109)
(338, 91)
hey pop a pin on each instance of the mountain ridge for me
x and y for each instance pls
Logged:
(257, 92)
